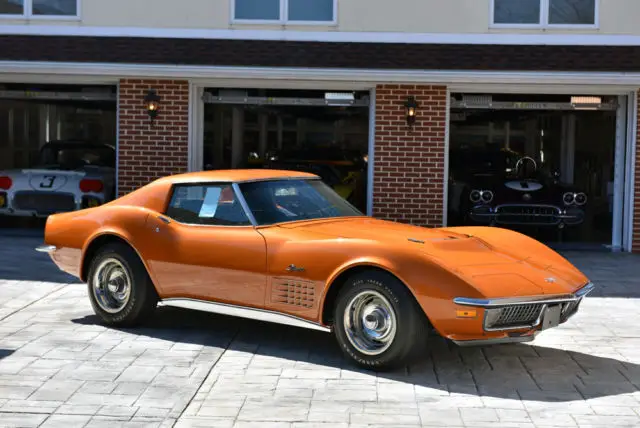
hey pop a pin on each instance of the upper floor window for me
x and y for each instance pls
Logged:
(39, 8)
(207, 204)
(545, 13)
(321, 12)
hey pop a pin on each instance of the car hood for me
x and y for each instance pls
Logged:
(498, 262)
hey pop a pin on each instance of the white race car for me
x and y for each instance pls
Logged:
(69, 176)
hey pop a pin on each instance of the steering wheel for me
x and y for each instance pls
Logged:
(535, 165)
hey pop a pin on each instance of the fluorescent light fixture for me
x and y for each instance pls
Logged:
(339, 96)
(586, 100)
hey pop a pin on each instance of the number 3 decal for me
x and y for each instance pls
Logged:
(47, 182)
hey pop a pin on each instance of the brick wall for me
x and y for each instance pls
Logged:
(408, 183)
(150, 151)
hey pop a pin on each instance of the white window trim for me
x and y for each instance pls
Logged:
(284, 18)
(544, 19)
(28, 14)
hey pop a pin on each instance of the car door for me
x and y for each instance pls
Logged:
(205, 247)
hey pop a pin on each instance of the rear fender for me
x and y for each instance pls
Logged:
(117, 232)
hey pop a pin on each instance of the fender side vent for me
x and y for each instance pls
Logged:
(293, 292)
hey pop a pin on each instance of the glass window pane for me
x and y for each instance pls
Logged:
(572, 12)
(310, 10)
(11, 7)
(258, 9)
(55, 7)
(214, 205)
(516, 12)
(278, 201)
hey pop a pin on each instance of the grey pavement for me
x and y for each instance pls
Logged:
(60, 367)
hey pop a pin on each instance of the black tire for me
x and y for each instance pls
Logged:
(142, 298)
(411, 325)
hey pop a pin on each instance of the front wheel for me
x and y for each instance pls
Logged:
(120, 290)
(377, 323)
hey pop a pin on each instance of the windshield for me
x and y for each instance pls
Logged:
(290, 200)
(69, 157)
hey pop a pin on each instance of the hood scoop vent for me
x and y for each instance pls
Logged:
(444, 238)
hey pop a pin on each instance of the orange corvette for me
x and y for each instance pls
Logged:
(282, 246)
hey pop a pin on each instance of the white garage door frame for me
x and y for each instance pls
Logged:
(625, 144)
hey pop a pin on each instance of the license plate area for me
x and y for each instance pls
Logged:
(551, 317)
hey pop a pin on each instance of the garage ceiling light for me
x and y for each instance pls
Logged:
(339, 96)
(586, 100)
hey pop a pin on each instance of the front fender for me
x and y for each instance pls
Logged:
(433, 285)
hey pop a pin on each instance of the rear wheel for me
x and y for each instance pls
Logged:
(120, 290)
(377, 322)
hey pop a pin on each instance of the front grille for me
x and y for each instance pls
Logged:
(513, 316)
(44, 202)
(569, 309)
(527, 214)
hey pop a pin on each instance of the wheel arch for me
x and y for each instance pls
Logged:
(99, 240)
(338, 281)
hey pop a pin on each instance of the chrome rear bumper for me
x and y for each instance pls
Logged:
(46, 248)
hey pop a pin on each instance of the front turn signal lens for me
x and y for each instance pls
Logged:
(468, 313)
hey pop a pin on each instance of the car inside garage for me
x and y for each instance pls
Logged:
(544, 165)
(322, 132)
(57, 150)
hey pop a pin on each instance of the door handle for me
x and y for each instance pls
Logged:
(294, 268)
(164, 219)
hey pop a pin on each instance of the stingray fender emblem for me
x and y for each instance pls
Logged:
(550, 280)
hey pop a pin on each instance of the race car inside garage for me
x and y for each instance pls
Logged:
(540, 164)
(322, 132)
(57, 150)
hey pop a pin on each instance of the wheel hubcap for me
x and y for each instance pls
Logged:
(111, 285)
(370, 323)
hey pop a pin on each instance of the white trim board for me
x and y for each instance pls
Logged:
(497, 38)
(19, 70)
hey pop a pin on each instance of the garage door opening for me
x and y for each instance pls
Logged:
(52, 137)
(322, 132)
(541, 165)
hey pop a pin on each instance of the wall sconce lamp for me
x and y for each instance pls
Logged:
(410, 108)
(152, 103)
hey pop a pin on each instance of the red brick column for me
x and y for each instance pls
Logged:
(146, 151)
(408, 182)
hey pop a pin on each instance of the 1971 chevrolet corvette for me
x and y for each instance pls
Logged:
(282, 246)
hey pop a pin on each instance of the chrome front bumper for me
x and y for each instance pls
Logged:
(497, 341)
(527, 215)
(517, 313)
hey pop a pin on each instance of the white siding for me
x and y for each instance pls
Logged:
(412, 16)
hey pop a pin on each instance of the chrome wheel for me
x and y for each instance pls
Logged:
(370, 322)
(111, 285)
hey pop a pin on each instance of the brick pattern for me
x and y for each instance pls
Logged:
(147, 151)
(408, 182)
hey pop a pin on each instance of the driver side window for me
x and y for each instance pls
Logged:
(206, 204)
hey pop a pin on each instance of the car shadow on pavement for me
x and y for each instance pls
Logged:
(4, 353)
(516, 371)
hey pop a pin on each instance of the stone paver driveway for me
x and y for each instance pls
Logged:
(60, 367)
